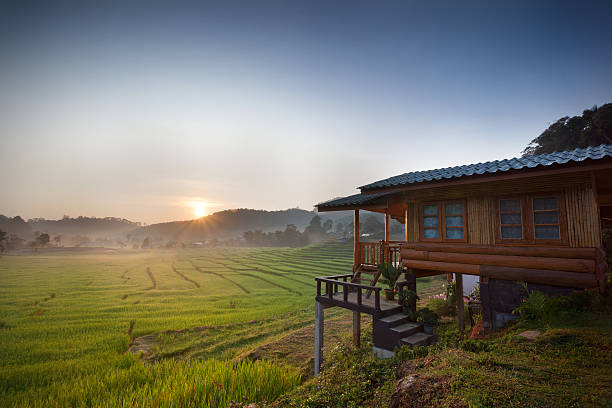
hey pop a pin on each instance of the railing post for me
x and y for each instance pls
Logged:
(359, 296)
(329, 289)
(318, 287)
(377, 300)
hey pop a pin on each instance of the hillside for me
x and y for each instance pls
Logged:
(226, 224)
(87, 226)
(559, 359)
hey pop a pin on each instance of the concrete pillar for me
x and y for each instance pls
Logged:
(319, 321)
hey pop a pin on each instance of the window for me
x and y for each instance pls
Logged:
(534, 219)
(546, 218)
(443, 221)
(511, 218)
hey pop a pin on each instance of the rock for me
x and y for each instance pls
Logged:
(530, 334)
(402, 389)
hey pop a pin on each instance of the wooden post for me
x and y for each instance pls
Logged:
(406, 224)
(356, 240)
(411, 279)
(319, 322)
(387, 225)
(459, 294)
(356, 329)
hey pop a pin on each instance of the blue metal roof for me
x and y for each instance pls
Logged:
(352, 200)
(497, 166)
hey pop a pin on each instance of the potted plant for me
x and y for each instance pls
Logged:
(390, 275)
(408, 299)
(429, 318)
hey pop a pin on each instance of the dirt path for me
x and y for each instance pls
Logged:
(297, 347)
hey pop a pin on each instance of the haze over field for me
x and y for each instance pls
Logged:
(158, 112)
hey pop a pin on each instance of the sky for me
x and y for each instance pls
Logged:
(149, 110)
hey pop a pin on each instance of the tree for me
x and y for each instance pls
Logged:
(57, 240)
(593, 128)
(146, 243)
(371, 225)
(327, 225)
(2, 239)
(43, 239)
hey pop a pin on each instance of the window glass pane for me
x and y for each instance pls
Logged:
(545, 203)
(510, 218)
(453, 208)
(430, 221)
(548, 217)
(430, 233)
(454, 221)
(454, 233)
(510, 205)
(512, 232)
(430, 210)
(547, 232)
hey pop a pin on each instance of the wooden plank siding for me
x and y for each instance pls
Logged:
(481, 224)
(413, 221)
(583, 225)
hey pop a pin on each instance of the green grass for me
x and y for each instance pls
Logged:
(67, 320)
(568, 365)
(64, 320)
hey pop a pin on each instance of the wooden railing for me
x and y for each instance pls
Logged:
(332, 284)
(374, 253)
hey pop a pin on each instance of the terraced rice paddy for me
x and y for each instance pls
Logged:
(67, 320)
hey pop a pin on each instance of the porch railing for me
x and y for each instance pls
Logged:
(374, 253)
(332, 286)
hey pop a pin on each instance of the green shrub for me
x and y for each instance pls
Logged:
(475, 346)
(539, 306)
(441, 307)
(405, 353)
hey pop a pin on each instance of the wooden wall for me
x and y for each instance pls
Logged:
(583, 221)
(583, 225)
(480, 221)
(413, 222)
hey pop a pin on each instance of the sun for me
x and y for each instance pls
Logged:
(199, 211)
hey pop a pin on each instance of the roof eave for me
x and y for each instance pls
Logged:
(586, 165)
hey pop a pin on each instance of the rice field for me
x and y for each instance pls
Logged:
(67, 321)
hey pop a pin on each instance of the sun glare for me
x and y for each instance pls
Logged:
(199, 212)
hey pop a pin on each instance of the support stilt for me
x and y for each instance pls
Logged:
(319, 321)
(356, 329)
(460, 309)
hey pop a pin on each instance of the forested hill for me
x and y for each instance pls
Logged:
(226, 224)
(86, 226)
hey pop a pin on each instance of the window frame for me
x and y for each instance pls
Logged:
(442, 221)
(528, 221)
(524, 221)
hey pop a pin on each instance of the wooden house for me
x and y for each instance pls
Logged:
(533, 219)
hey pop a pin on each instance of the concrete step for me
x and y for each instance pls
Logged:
(418, 339)
(407, 329)
(395, 320)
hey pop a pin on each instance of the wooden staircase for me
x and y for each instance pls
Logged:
(397, 330)
(366, 275)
